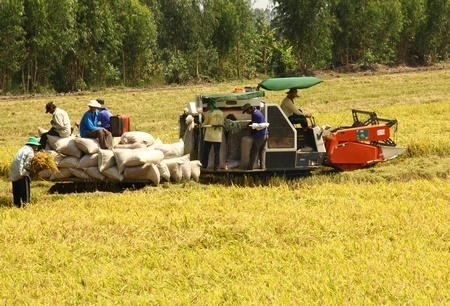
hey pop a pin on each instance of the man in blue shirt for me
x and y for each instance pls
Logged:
(104, 116)
(89, 127)
(260, 137)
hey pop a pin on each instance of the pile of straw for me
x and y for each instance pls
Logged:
(43, 161)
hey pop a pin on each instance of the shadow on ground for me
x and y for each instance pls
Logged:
(76, 187)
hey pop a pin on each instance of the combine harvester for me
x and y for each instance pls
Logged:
(291, 149)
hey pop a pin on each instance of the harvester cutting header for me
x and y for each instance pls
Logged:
(292, 148)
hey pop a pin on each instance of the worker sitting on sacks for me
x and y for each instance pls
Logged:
(89, 127)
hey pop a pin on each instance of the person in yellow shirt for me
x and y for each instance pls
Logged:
(213, 135)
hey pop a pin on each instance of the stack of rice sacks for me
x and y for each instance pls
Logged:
(137, 156)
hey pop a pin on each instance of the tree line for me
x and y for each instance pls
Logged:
(72, 45)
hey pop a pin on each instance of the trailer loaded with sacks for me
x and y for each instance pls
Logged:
(137, 157)
(290, 150)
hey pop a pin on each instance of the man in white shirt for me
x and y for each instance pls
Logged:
(60, 124)
(294, 114)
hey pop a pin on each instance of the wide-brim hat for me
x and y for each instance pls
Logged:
(245, 107)
(33, 141)
(94, 103)
(292, 90)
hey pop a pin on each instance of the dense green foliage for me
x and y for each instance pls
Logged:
(68, 45)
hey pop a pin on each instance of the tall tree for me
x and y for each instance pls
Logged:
(138, 34)
(306, 25)
(413, 12)
(12, 41)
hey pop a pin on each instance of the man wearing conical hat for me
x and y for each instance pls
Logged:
(20, 172)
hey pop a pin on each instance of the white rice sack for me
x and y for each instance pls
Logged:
(106, 159)
(80, 173)
(88, 160)
(65, 145)
(163, 171)
(45, 174)
(137, 137)
(186, 167)
(51, 141)
(59, 158)
(174, 165)
(136, 145)
(196, 166)
(172, 150)
(246, 145)
(41, 131)
(53, 153)
(130, 158)
(116, 141)
(143, 172)
(68, 162)
(95, 173)
(87, 145)
(63, 173)
(157, 143)
(113, 173)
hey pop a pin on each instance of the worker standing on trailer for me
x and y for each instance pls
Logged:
(260, 137)
(294, 115)
(20, 172)
(89, 127)
(213, 135)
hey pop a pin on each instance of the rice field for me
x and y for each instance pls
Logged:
(374, 236)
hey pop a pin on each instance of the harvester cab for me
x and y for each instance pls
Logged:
(291, 148)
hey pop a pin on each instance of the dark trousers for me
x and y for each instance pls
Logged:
(21, 191)
(105, 138)
(295, 119)
(258, 150)
(43, 140)
(206, 149)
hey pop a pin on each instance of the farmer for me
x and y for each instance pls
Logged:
(260, 137)
(294, 115)
(20, 172)
(213, 135)
(104, 115)
(89, 127)
(60, 124)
